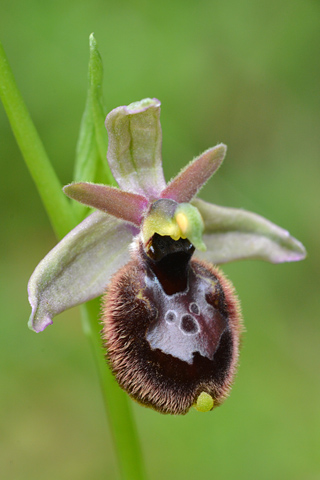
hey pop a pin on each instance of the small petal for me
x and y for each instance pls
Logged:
(234, 234)
(79, 267)
(189, 181)
(124, 205)
(134, 151)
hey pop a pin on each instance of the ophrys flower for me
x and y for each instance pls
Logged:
(171, 323)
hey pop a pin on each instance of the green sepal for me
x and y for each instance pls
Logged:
(134, 150)
(234, 234)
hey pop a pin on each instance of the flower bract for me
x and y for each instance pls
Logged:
(171, 320)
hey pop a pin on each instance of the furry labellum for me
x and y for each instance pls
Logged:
(171, 326)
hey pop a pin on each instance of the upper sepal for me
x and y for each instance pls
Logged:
(233, 234)
(79, 267)
(134, 150)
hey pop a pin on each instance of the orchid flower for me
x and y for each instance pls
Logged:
(171, 322)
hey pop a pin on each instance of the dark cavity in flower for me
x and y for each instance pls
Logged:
(169, 260)
(160, 353)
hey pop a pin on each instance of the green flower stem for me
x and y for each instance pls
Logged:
(116, 401)
(32, 149)
(63, 219)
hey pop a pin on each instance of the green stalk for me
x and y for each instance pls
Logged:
(50, 189)
(63, 219)
(119, 413)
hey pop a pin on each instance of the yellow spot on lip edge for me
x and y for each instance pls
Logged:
(204, 402)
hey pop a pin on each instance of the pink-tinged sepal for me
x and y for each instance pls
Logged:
(125, 205)
(234, 234)
(191, 179)
(79, 267)
(134, 150)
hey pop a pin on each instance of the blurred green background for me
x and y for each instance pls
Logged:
(243, 73)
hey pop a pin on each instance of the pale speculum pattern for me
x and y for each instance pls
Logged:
(185, 322)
